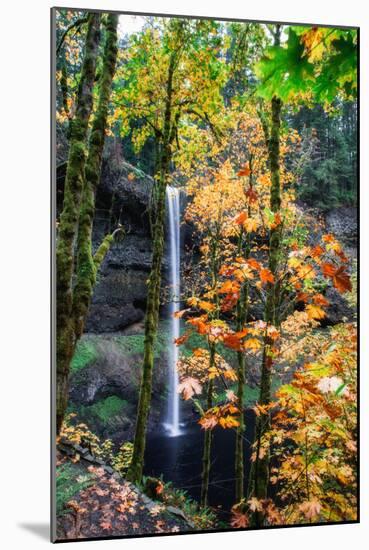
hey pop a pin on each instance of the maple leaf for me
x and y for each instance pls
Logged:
(231, 396)
(181, 339)
(240, 218)
(314, 44)
(251, 224)
(239, 520)
(245, 171)
(266, 276)
(189, 387)
(252, 344)
(328, 238)
(230, 374)
(208, 422)
(207, 306)
(156, 510)
(229, 287)
(251, 195)
(228, 422)
(341, 280)
(310, 508)
(255, 505)
(232, 341)
(315, 312)
(317, 251)
(277, 220)
(328, 269)
(320, 300)
(261, 409)
(179, 314)
(253, 263)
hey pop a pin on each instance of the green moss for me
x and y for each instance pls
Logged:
(84, 355)
(134, 343)
(105, 409)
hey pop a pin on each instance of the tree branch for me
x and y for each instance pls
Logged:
(74, 25)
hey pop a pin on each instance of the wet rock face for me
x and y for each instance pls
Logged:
(120, 294)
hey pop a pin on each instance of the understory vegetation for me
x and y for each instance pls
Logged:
(255, 125)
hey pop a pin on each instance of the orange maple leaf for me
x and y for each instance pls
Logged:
(239, 520)
(245, 171)
(181, 340)
(266, 276)
(328, 269)
(341, 280)
(240, 218)
(253, 263)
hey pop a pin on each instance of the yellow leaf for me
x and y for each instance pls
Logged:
(315, 312)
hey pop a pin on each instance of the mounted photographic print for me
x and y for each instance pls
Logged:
(204, 231)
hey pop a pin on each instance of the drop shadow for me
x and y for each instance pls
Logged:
(42, 530)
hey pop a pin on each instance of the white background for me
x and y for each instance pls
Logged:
(24, 273)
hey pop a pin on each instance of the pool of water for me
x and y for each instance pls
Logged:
(178, 459)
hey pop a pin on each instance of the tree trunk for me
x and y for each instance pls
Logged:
(206, 457)
(259, 478)
(86, 266)
(68, 225)
(153, 296)
(242, 308)
(242, 313)
(260, 469)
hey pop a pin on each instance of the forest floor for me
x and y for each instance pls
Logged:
(94, 503)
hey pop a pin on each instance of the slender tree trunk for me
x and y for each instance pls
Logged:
(86, 266)
(206, 457)
(153, 296)
(242, 308)
(69, 218)
(242, 313)
(259, 478)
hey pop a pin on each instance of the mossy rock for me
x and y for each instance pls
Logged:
(86, 354)
(108, 411)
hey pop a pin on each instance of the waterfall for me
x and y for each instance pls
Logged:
(173, 202)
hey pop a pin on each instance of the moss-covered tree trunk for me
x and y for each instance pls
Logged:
(68, 224)
(244, 247)
(242, 309)
(206, 456)
(86, 264)
(260, 468)
(153, 288)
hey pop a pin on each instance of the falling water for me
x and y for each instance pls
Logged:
(172, 421)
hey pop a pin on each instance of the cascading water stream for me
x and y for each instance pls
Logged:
(173, 201)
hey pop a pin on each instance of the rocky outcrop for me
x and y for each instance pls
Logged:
(104, 383)
(123, 197)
